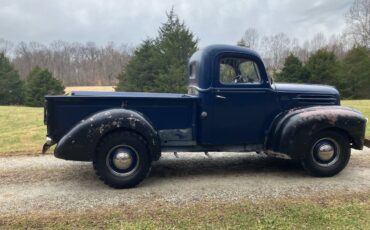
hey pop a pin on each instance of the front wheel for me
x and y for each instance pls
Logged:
(327, 154)
(122, 160)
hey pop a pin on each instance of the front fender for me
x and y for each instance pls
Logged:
(292, 130)
(80, 142)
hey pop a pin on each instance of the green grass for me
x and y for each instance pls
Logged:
(23, 131)
(268, 214)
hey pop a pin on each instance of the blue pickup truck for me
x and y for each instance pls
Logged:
(231, 106)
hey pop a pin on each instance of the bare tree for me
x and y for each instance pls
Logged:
(250, 39)
(339, 44)
(302, 52)
(276, 49)
(6, 46)
(318, 42)
(73, 63)
(358, 22)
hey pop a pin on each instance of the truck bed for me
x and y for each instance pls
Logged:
(168, 112)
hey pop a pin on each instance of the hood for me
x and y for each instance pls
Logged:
(303, 95)
(305, 88)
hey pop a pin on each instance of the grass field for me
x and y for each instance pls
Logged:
(326, 213)
(23, 131)
(89, 88)
(363, 106)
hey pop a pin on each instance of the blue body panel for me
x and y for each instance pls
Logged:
(164, 111)
(245, 112)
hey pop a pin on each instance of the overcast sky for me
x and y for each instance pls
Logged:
(131, 21)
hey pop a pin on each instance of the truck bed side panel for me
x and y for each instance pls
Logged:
(164, 113)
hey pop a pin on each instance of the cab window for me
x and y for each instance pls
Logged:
(239, 71)
(193, 71)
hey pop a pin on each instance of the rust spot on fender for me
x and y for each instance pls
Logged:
(330, 115)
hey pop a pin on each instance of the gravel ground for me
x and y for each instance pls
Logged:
(44, 183)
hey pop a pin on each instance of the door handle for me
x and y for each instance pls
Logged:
(221, 97)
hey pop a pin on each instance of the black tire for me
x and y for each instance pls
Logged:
(326, 141)
(134, 148)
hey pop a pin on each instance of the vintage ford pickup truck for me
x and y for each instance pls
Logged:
(232, 105)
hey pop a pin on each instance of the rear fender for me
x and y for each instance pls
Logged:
(81, 141)
(292, 130)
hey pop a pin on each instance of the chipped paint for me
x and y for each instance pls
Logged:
(291, 131)
(132, 120)
(330, 115)
(88, 133)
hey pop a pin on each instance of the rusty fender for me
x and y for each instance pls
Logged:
(80, 142)
(292, 130)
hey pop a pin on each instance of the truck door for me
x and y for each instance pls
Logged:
(244, 103)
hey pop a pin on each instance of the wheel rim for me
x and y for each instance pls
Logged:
(326, 152)
(122, 160)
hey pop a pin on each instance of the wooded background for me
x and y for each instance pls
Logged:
(159, 63)
(73, 63)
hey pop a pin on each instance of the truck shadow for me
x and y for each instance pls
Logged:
(195, 165)
(241, 164)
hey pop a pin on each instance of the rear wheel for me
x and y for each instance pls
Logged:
(327, 154)
(122, 160)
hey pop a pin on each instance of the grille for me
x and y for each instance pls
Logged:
(316, 99)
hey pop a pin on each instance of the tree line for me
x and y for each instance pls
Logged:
(342, 60)
(160, 64)
(73, 63)
(350, 75)
(30, 92)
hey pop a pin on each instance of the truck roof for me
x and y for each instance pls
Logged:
(205, 66)
(216, 49)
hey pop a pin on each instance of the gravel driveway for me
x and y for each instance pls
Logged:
(44, 183)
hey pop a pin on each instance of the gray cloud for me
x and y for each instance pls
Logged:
(217, 21)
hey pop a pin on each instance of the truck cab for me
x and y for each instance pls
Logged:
(231, 105)
(235, 92)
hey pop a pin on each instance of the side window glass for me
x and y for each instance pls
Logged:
(193, 71)
(227, 72)
(239, 71)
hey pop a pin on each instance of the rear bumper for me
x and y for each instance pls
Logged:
(48, 143)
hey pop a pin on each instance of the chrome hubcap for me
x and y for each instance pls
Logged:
(326, 152)
(122, 160)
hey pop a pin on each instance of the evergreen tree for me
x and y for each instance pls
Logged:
(323, 67)
(10, 84)
(139, 74)
(40, 82)
(161, 64)
(355, 74)
(293, 71)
